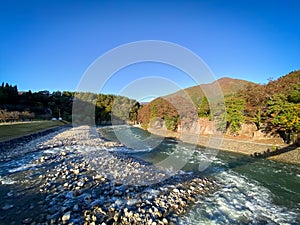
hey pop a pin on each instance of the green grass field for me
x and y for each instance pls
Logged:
(15, 130)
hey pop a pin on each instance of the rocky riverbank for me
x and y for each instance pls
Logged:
(245, 147)
(75, 177)
(28, 143)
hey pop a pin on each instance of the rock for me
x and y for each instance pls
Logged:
(27, 221)
(7, 206)
(76, 193)
(80, 184)
(76, 171)
(76, 208)
(66, 216)
(175, 190)
(131, 201)
(117, 193)
(97, 177)
(94, 218)
(63, 209)
(165, 221)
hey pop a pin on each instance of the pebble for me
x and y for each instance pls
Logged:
(7, 206)
(76, 171)
(76, 208)
(165, 221)
(66, 216)
(80, 184)
(27, 221)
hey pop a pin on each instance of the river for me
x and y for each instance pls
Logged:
(250, 191)
(253, 191)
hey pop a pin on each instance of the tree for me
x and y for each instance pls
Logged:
(285, 115)
(121, 108)
(255, 96)
(133, 114)
(164, 108)
(4, 115)
(294, 95)
(204, 110)
(171, 122)
(14, 116)
(144, 115)
(26, 115)
(234, 113)
(8, 94)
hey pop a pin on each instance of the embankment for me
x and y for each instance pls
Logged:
(246, 147)
(21, 145)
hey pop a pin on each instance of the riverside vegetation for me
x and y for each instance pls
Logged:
(274, 108)
(43, 105)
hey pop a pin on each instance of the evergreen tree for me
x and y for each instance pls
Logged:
(234, 113)
(285, 115)
(204, 110)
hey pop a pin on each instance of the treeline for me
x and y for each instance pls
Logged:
(274, 108)
(21, 106)
(14, 116)
(109, 109)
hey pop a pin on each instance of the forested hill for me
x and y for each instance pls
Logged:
(274, 107)
(228, 86)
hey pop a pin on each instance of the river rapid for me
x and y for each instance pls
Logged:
(53, 184)
(253, 191)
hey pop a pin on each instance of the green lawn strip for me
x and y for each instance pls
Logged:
(11, 131)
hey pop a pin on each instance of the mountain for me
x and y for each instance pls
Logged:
(284, 84)
(229, 86)
(273, 107)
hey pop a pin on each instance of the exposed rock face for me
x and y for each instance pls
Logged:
(248, 130)
(206, 127)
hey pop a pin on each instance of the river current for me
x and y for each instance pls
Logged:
(251, 191)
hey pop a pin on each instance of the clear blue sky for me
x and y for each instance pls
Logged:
(49, 44)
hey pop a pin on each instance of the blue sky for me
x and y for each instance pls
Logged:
(50, 44)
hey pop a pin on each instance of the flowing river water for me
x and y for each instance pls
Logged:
(253, 191)
(250, 191)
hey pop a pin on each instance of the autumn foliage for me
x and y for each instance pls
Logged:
(273, 107)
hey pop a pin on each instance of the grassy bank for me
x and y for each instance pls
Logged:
(15, 130)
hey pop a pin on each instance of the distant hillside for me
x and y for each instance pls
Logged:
(167, 107)
(232, 86)
(284, 84)
(273, 108)
(228, 85)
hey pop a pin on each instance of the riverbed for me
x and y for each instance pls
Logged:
(73, 176)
